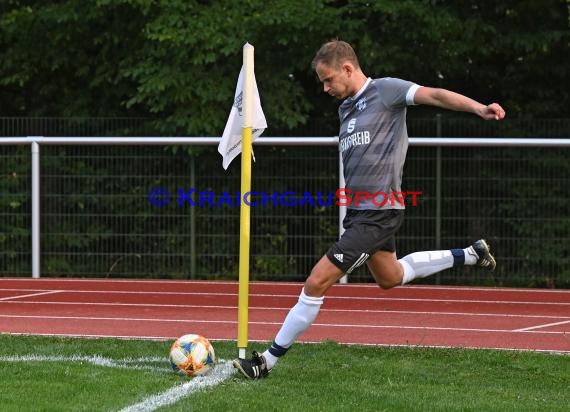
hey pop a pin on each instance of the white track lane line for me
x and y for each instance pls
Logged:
(546, 325)
(234, 322)
(387, 345)
(288, 283)
(379, 311)
(329, 297)
(49, 292)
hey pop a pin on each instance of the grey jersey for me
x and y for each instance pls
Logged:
(373, 141)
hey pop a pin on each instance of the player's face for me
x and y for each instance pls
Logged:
(335, 81)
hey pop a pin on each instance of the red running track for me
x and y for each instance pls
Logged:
(523, 319)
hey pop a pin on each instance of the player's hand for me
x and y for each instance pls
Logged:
(492, 112)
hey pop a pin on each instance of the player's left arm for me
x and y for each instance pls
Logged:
(454, 101)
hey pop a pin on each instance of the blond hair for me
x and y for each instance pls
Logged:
(334, 53)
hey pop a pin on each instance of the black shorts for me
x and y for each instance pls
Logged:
(365, 233)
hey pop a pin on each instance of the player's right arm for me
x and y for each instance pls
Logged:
(449, 100)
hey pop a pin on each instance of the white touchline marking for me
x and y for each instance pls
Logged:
(546, 325)
(30, 295)
(221, 372)
(129, 363)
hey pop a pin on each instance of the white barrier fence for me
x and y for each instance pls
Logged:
(36, 142)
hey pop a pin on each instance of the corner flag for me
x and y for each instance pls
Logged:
(230, 144)
(246, 122)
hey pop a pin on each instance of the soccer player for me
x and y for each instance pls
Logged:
(373, 141)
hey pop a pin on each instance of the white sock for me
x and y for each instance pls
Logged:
(471, 256)
(270, 359)
(300, 317)
(423, 264)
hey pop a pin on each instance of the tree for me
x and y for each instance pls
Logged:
(177, 61)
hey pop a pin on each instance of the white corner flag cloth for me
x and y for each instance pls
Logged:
(230, 144)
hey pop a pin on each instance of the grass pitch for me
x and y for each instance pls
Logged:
(73, 374)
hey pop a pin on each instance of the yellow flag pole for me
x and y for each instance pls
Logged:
(246, 154)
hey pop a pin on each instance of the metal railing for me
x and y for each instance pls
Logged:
(36, 142)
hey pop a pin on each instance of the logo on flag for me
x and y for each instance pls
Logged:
(230, 144)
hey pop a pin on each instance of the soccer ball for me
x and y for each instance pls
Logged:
(192, 355)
